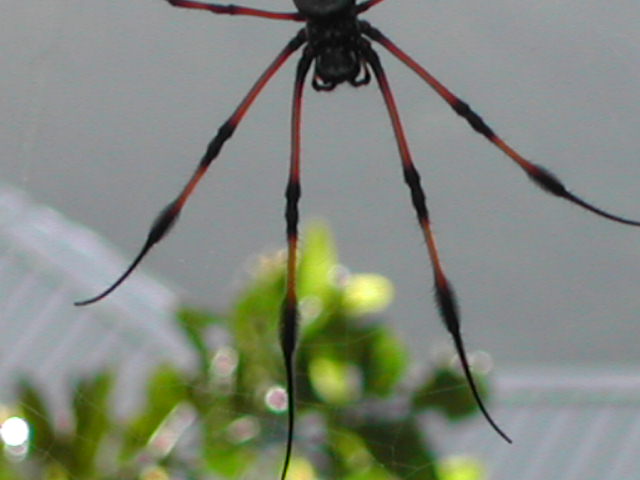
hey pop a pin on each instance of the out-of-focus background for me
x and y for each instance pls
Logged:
(108, 106)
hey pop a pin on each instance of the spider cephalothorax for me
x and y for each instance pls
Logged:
(334, 41)
(339, 45)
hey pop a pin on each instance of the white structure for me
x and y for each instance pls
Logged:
(47, 262)
(565, 425)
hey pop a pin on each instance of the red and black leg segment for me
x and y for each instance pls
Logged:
(169, 214)
(444, 293)
(538, 174)
(289, 323)
(236, 10)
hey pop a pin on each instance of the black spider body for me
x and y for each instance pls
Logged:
(339, 46)
(335, 42)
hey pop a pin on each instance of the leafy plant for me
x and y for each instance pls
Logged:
(226, 418)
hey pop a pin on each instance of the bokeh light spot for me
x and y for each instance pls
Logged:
(276, 399)
(14, 431)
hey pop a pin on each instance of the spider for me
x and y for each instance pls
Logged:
(338, 45)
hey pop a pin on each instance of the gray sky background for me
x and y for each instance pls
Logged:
(108, 105)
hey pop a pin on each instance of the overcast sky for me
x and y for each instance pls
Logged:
(107, 107)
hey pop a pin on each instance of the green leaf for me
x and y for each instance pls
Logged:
(55, 471)
(91, 411)
(228, 459)
(399, 447)
(447, 390)
(318, 261)
(386, 362)
(374, 473)
(460, 467)
(7, 472)
(194, 323)
(166, 389)
(35, 412)
(255, 324)
(354, 460)
(367, 293)
(336, 382)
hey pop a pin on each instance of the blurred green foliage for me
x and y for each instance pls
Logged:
(226, 418)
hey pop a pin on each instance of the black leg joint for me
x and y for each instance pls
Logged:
(291, 214)
(448, 307)
(289, 328)
(547, 181)
(163, 223)
(224, 132)
(477, 123)
(412, 178)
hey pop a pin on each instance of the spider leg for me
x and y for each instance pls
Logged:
(364, 6)
(168, 215)
(538, 174)
(444, 293)
(289, 322)
(237, 10)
